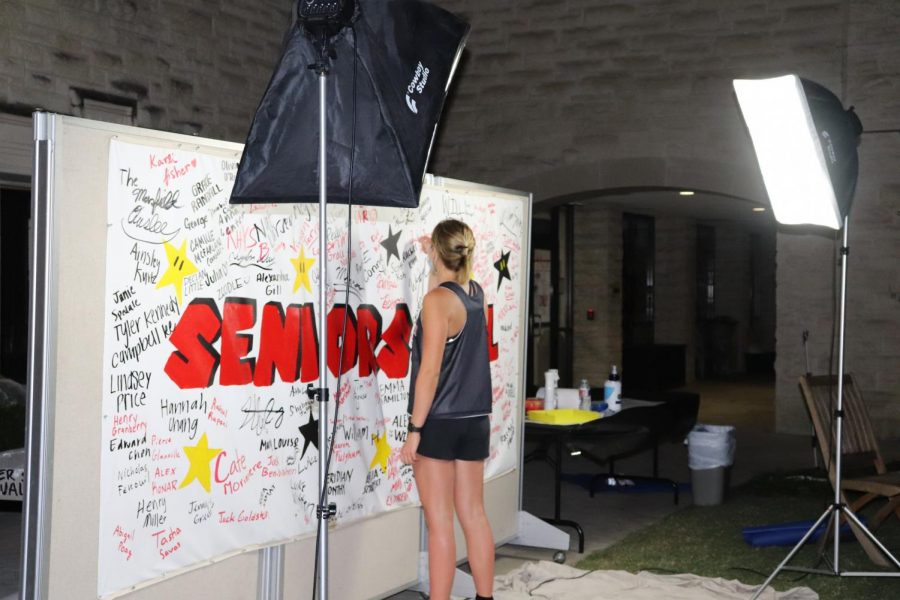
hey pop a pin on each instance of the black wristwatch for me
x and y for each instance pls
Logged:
(412, 428)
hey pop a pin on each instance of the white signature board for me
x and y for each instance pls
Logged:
(209, 437)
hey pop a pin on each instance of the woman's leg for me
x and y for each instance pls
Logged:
(435, 480)
(469, 499)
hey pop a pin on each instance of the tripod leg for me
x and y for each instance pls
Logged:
(870, 537)
(791, 554)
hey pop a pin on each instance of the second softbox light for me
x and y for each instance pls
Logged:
(407, 51)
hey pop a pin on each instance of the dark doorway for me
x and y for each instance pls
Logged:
(541, 352)
(646, 365)
(15, 211)
(717, 339)
(15, 207)
(638, 275)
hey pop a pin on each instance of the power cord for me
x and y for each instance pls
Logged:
(764, 575)
(664, 570)
(543, 583)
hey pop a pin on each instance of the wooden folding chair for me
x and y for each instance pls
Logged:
(820, 394)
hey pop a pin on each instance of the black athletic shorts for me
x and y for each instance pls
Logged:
(468, 438)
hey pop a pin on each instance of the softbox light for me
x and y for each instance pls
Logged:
(805, 144)
(407, 51)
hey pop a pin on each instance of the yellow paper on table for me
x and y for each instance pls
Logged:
(563, 416)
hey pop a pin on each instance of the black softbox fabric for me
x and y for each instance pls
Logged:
(407, 50)
(838, 132)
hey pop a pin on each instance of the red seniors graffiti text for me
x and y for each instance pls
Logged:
(288, 343)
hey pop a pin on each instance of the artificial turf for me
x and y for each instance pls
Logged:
(707, 541)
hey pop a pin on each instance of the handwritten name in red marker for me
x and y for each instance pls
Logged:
(167, 542)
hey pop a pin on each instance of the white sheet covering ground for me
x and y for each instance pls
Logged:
(550, 580)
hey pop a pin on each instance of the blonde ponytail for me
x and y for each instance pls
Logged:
(454, 245)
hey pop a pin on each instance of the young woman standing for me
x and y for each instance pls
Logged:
(449, 406)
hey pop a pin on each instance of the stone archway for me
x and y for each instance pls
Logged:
(601, 193)
(578, 181)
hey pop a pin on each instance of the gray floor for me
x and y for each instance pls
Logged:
(607, 517)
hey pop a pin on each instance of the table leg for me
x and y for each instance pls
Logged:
(557, 507)
(557, 473)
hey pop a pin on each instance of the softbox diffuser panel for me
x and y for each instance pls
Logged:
(407, 52)
(805, 144)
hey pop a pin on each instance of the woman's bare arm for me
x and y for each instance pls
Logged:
(435, 328)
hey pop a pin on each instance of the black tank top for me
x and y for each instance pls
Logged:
(464, 384)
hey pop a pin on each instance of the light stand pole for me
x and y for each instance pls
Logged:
(324, 509)
(838, 507)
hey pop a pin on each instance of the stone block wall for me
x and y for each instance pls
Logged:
(598, 285)
(598, 81)
(190, 67)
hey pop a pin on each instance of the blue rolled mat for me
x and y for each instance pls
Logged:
(788, 534)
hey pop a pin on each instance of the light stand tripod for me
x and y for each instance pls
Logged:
(838, 508)
(394, 42)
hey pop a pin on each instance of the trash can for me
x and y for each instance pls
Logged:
(710, 456)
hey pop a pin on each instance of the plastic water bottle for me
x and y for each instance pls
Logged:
(612, 390)
(584, 394)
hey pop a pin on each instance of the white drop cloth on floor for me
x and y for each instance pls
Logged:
(550, 580)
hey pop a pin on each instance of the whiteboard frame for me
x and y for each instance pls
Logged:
(47, 569)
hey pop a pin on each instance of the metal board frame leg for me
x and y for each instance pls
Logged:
(271, 574)
(537, 533)
(422, 584)
(37, 503)
(463, 583)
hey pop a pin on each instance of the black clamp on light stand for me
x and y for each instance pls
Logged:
(326, 52)
(319, 394)
(324, 512)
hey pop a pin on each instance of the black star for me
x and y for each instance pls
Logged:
(390, 244)
(502, 267)
(310, 433)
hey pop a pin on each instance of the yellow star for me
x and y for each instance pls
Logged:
(179, 268)
(302, 266)
(199, 457)
(382, 452)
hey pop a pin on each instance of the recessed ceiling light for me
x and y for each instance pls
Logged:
(685, 193)
(759, 209)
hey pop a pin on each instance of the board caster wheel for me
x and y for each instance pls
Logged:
(559, 557)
